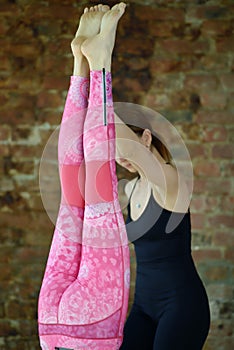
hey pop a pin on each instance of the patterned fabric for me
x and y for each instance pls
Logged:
(84, 296)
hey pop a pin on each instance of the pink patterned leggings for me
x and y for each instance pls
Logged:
(84, 295)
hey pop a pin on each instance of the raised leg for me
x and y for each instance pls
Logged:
(65, 253)
(98, 299)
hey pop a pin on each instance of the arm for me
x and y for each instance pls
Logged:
(164, 177)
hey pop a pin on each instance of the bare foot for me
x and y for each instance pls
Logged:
(98, 49)
(89, 26)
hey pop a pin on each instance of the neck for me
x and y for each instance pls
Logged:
(142, 177)
(142, 180)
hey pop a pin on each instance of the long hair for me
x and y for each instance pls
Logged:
(157, 142)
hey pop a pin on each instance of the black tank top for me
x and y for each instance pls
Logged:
(162, 241)
(156, 222)
(167, 283)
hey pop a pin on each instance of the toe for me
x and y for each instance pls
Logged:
(86, 10)
(105, 8)
(115, 7)
(121, 6)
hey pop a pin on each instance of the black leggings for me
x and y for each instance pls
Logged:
(179, 323)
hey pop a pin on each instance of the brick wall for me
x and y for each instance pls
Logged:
(173, 56)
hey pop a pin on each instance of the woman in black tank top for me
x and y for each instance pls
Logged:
(170, 309)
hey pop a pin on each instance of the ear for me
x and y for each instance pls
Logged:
(146, 137)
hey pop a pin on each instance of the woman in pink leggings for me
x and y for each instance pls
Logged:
(84, 295)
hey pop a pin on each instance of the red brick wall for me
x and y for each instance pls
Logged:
(173, 56)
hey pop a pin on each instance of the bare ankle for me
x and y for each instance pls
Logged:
(100, 63)
(81, 67)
